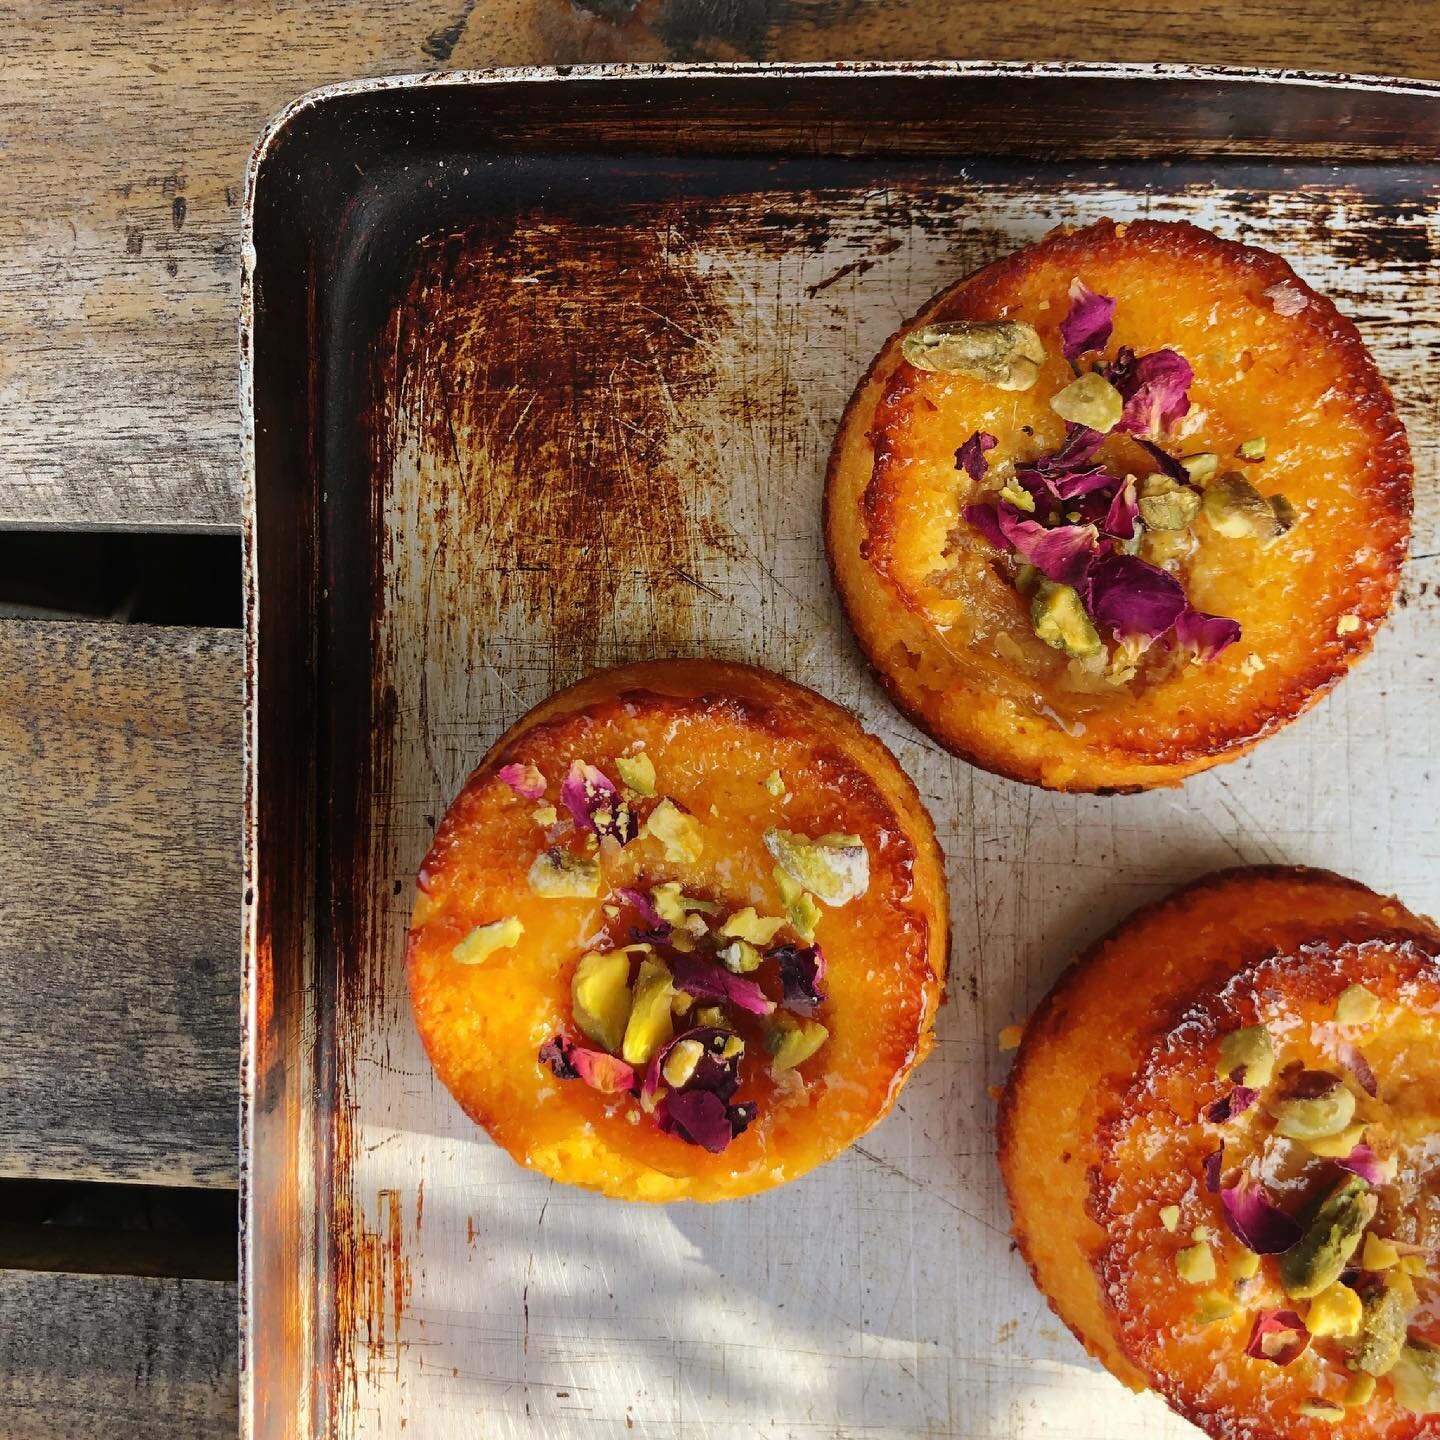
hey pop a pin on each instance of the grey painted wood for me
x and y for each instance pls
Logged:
(119, 902)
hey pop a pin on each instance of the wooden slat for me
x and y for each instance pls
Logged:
(119, 902)
(87, 1356)
(125, 131)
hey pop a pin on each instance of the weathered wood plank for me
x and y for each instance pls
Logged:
(119, 902)
(125, 131)
(116, 1355)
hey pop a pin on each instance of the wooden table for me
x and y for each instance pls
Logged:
(124, 135)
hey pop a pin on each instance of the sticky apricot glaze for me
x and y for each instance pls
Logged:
(762, 902)
(1282, 393)
(1158, 1191)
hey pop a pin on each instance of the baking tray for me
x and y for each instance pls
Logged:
(540, 370)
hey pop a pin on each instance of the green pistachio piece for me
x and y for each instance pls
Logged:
(1251, 449)
(1212, 1306)
(1356, 1006)
(650, 1024)
(800, 908)
(638, 772)
(1416, 1378)
(1313, 1106)
(1249, 1052)
(560, 874)
(1237, 510)
(1325, 1410)
(484, 940)
(1383, 1327)
(1090, 400)
(1004, 353)
(676, 831)
(834, 868)
(711, 1017)
(673, 905)
(1165, 504)
(739, 956)
(792, 1042)
(1059, 619)
(1018, 496)
(747, 925)
(1201, 466)
(1360, 1390)
(774, 785)
(600, 997)
(1333, 1235)
(680, 1063)
(1195, 1264)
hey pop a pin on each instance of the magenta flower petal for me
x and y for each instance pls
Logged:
(1088, 323)
(1155, 388)
(1123, 514)
(1168, 464)
(713, 1072)
(525, 780)
(1236, 1102)
(1131, 597)
(970, 457)
(1279, 1336)
(1082, 482)
(1257, 1224)
(707, 981)
(702, 1118)
(597, 1068)
(1355, 1062)
(802, 969)
(595, 804)
(986, 519)
(1362, 1161)
(1061, 554)
(638, 901)
(1211, 1167)
(1206, 635)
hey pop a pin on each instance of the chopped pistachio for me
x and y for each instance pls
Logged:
(1201, 466)
(1382, 1331)
(638, 772)
(680, 1063)
(1165, 504)
(682, 941)
(774, 785)
(1059, 619)
(560, 874)
(484, 940)
(1018, 496)
(1412, 1265)
(711, 1017)
(1251, 449)
(739, 957)
(682, 1003)
(1004, 353)
(1195, 1264)
(1347, 624)
(1315, 1106)
(747, 925)
(676, 831)
(1212, 1306)
(1332, 1236)
(792, 1042)
(1326, 1410)
(1010, 1037)
(1245, 1266)
(1090, 400)
(600, 997)
(1378, 1253)
(1335, 1311)
(1237, 510)
(733, 1048)
(673, 905)
(1416, 1378)
(800, 907)
(1339, 1145)
(545, 816)
(1247, 1057)
(834, 868)
(1170, 1217)
(1360, 1390)
(1026, 576)
(1356, 1006)
(650, 1025)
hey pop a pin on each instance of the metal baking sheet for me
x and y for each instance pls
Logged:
(540, 372)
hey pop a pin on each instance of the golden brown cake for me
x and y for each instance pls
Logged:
(1221, 1145)
(1111, 509)
(682, 935)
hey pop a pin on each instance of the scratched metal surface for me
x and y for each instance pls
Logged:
(603, 429)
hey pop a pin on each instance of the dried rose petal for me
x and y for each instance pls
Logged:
(525, 780)
(712, 1072)
(1088, 323)
(1279, 1336)
(1257, 1224)
(1082, 482)
(1211, 1168)
(1154, 387)
(1206, 635)
(637, 900)
(1123, 514)
(1061, 554)
(986, 519)
(556, 1053)
(1362, 1161)
(970, 457)
(707, 981)
(1236, 1102)
(595, 804)
(597, 1068)
(1356, 1063)
(1168, 464)
(1132, 597)
(802, 969)
(702, 1118)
